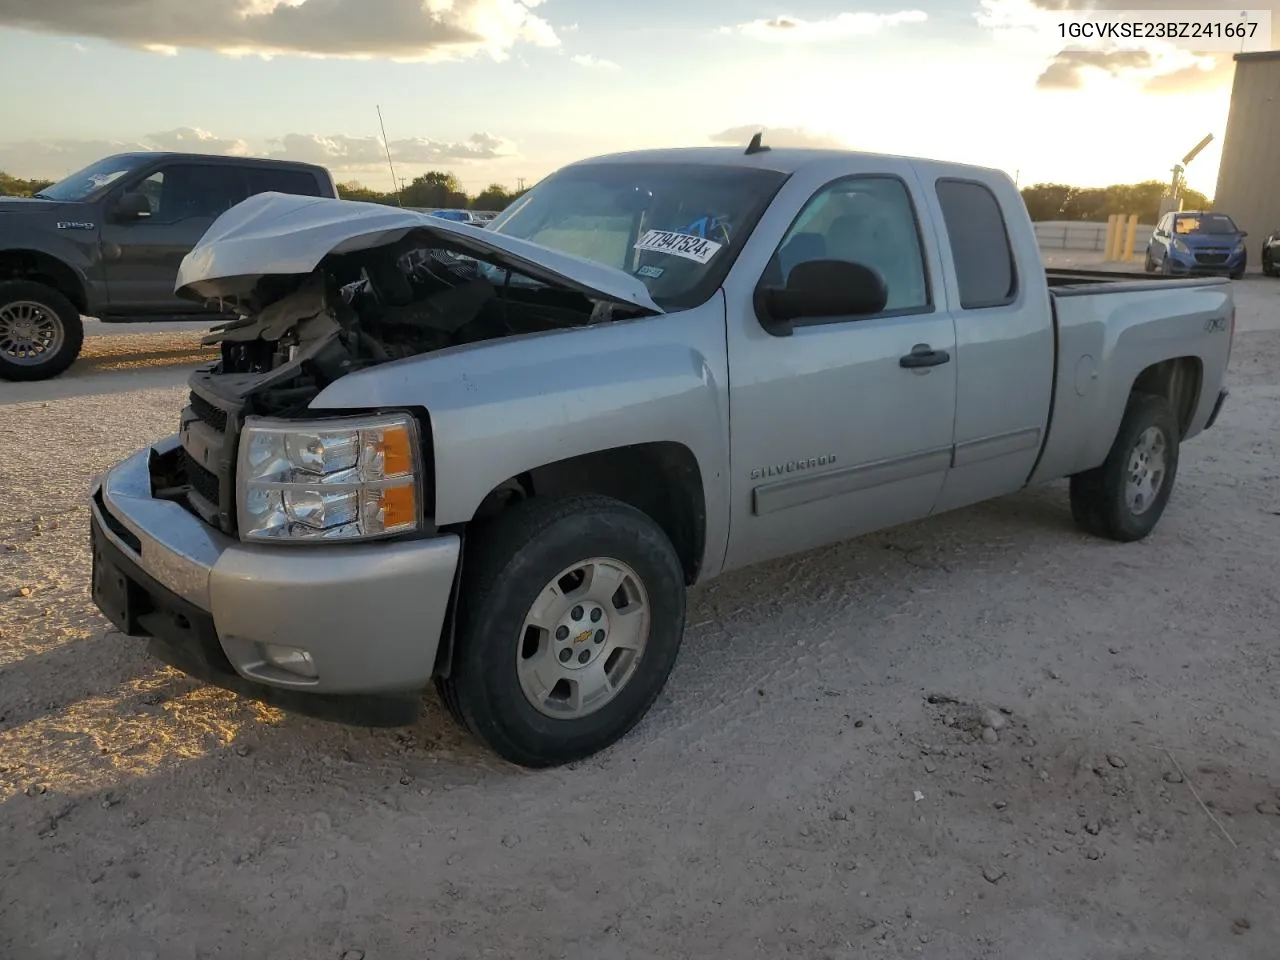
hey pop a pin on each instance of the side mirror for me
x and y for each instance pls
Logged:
(1243, 234)
(821, 289)
(132, 206)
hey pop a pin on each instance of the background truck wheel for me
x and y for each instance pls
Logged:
(40, 331)
(1124, 498)
(571, 616)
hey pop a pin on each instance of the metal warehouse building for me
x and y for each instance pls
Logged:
(1249, 178)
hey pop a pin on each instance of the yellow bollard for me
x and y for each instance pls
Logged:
(1130, 235)
(1111, 237)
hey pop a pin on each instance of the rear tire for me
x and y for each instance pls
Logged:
(1124, 498)
(40, 331)
(1268, 267)
(529, 629)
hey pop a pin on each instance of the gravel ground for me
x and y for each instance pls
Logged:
(986, 735)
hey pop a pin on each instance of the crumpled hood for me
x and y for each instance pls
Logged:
(280, 234)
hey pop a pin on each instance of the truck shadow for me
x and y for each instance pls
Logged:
(117, 365)
(737, 620)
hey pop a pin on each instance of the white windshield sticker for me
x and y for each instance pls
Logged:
(679, 245)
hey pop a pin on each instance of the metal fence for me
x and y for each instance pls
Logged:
(1075, 235)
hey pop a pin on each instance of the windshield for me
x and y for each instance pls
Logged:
(85, 183)
(1212, 223)
(677, 227)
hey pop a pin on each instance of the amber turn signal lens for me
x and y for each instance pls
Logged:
(397, 452)
(399, 507)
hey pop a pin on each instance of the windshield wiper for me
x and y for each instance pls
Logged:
(41, 195)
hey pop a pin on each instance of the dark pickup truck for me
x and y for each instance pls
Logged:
(106, 242)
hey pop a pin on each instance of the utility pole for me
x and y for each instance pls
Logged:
(520, 184)
(387, 145)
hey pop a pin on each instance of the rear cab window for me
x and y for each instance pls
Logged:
(268, 180)
(986, 271)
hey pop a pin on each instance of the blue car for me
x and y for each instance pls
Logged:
(1196, 243)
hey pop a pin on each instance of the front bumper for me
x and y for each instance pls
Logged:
(368, 616)
(1189, 265)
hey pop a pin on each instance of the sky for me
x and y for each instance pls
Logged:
(508, 90)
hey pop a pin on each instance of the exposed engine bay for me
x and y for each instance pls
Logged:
(387, 303)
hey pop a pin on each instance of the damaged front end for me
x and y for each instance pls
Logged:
(327, 288)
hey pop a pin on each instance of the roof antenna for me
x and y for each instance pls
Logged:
(755, 146)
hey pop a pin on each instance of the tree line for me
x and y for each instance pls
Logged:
(17, 187)
(1058, 201)
(435, 188)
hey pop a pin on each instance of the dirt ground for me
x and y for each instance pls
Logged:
(814, 782)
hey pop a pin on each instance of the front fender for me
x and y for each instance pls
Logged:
(504, 407)
(71, 257)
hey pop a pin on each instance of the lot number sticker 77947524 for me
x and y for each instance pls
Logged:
(685, 245)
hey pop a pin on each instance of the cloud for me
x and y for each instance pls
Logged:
(352, 153)
(396, 29)
(338, 152)
(1057, 6)
(778, 137)
(842, 26)
(194, 140)
(587, 60)
(1069, 68)
(1206, 74)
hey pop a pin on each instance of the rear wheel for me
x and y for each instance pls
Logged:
(1268, 267)
(571, 618)
(40, 331)
(1124, 498)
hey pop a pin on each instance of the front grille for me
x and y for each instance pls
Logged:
(1211, 259)
(207, 412)
(210, 435)
(203, 482)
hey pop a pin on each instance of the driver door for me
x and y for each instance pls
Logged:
(141, 256)
(834, 431)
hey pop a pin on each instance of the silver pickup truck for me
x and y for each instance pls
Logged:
(497, 457)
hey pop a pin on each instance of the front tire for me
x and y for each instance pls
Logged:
(1268, 267)
(570, 621)
(1124, 498)
(1148, 264)
(40, 331)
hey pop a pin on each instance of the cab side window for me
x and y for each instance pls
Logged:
(868, 220)
(191, 191)
(980, 244)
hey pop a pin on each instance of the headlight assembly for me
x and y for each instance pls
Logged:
(1180, 246)
(355, 478)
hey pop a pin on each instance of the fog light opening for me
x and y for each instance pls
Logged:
(293, 660)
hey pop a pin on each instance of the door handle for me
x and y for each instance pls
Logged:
(923, 355)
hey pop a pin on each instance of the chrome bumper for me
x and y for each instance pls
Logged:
(368, 616)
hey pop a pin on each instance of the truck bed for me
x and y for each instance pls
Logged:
(1062, 281)
(1110, 327)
